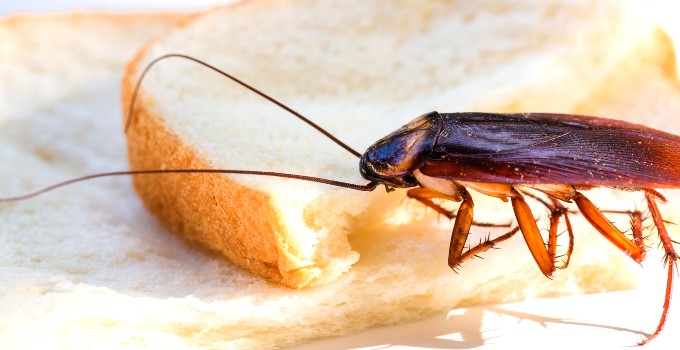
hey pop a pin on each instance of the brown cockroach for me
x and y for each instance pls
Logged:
(442, 155)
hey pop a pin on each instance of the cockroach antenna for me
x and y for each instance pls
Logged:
(135, 92)
(130, 116)
(368, 187)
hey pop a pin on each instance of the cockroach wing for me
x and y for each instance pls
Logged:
(553, 149)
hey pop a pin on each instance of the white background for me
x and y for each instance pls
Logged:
(42, 6)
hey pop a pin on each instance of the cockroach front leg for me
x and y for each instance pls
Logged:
(486, 245)
(425, 196)
(531, 233)
(670, 258)
(461, 229)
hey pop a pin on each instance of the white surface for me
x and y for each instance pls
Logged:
(599, 321)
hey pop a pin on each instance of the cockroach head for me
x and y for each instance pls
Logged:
(393, 158)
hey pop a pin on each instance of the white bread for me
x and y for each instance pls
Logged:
(88, 267)
(359, 70)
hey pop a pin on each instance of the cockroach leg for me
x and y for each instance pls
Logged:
(636, 220)
(425, 196)
(557, 210)
(661, 228)
(671, 258)
(655, 193)
(607, 229)
(570, 249)
(636, 228)
(461, 229)
(666, 302)
(531, 234)
(486, 245)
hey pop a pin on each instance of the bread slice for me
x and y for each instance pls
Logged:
(359, 69)
(88, 266)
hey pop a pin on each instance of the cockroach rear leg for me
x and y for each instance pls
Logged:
(425, 196)
(636, 227)
(665, 238)
(607, 229)
(531, 233)
(671, 258)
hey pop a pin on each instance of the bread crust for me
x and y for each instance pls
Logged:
(212, 209)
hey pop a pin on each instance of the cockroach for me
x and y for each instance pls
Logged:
(444, 155)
